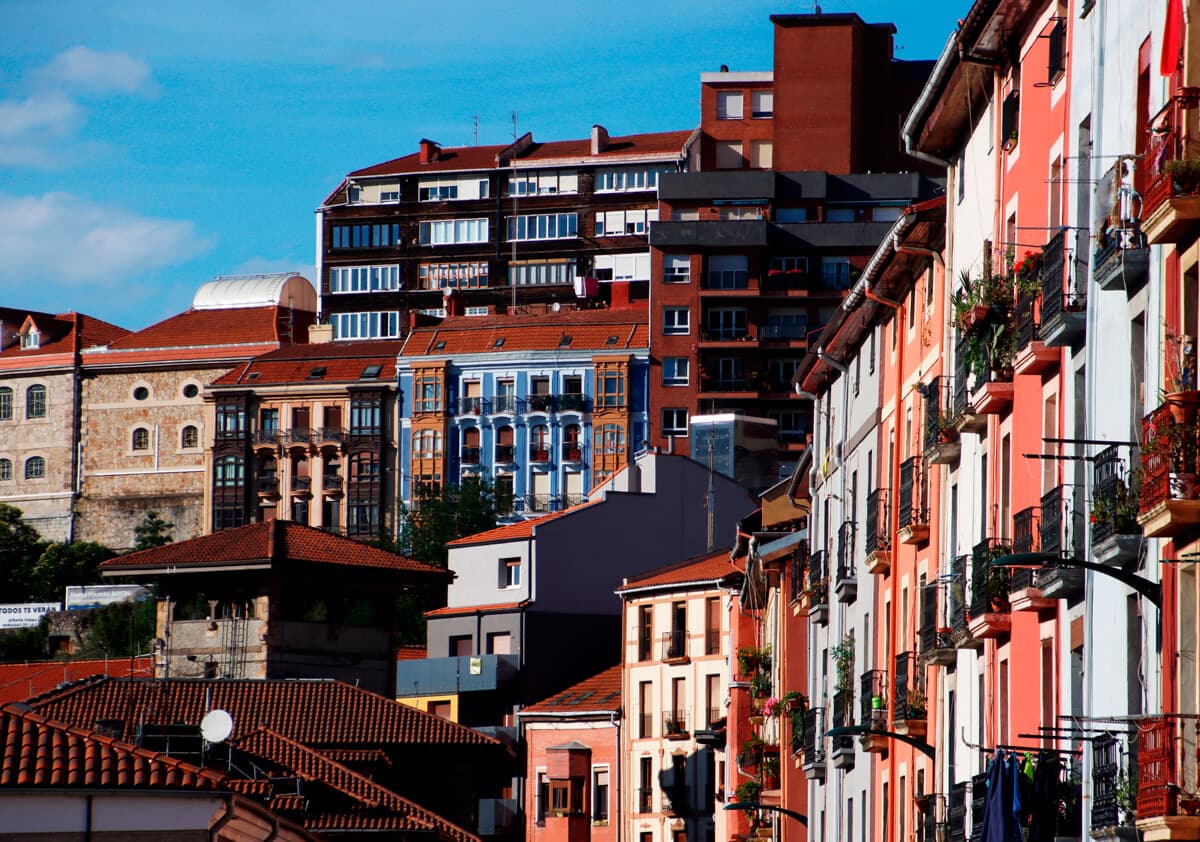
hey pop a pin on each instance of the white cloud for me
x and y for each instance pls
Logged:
(67, 240)
(84, 69)
(48, 113)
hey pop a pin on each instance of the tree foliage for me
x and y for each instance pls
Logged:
(440, 516)
(66, 564)
(20, 548)
(153, 531)
(122, 628)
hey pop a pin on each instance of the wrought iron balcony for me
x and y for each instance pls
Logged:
(873, 707)
(913, 516)
(989, 607)
(331, 435)
(268, 437)
(539, 403)
(814, 742)
(504, 404)
(268, 486)
(571, 402)
(331, 482)
(1123, 262)
(572, 452)
(471, 455)
(1106, 775)
(942, 445)
(908, 700)
(473, 406)
(539, 453)
(299, 436)
(1114, 503)
(843, 714)
(541, 503)
(675, 724)
(978, 801)
(1167, 779)
(818, 587)
(505, 453)
(1063, 308)
(301, 484)
(877, 541)
(1025, 530)
(674, 645)
(846, 584)
(956, 601)
(1170, 461)
(956, 812)
(936, 638)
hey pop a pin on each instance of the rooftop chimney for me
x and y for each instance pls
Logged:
(599, 139)
(320, 333)
(429, 151)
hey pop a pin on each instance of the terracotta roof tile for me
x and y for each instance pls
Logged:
(282, 540)
(210, 328)
(411, 652)
(704, 568)
(343, 362)
(520, 529)
(376, 807)
(453, 611)
(349, 716)
(57, 332)
(590, 330)
(42, 752)
(600, 692)
(20, 681)
(452, 158)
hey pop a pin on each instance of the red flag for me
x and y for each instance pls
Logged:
(1172, 38)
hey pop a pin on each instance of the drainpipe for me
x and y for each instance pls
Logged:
(932, 89)
(618, 801)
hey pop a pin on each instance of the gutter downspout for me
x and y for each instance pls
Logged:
(916, 116)
(214, 833)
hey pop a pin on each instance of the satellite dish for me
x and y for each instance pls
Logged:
(557, 307)
(216, 726)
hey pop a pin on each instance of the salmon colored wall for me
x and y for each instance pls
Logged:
(605, 747)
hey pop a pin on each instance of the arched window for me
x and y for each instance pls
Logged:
(539, 443)
(504, 444)
(35, 402)
(5, 469)
(35, 468)
(572, 443)
(5, 403)
(141, 439)
(190, 436)
(229, 472)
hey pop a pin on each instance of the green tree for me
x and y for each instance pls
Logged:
(20, 548)
(153, 531)
(122, 628)
(66, 564)
(442, 515)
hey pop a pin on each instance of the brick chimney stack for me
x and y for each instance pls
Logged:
(599, 139)
(429, 151)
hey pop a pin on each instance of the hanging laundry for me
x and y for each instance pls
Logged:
(1043, 802)
(1003, 804)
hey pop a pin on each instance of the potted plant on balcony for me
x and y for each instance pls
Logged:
(1176, 443)
(748, 791)
(1119, 507)
(760, 685)
(1027, 274)
(791, 701)
(751, 659)
(916, 704)
(1001, 351)
(1126, 794)
(752, 752)
(1184, 174)
(843, 660)
(673, 726)
(770, 772)
(999, 579)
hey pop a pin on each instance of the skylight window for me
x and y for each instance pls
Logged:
(317, 373)
(499, 343)
(371, 372)
(440, 345)
(612, 340)
(564, 342)
(254, 375)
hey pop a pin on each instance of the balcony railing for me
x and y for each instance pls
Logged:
(473, 406)
(817, 579)
(539, 453)
(1025, 530)
(1114, 507)
(911, 500)
(798, 570)
(978, 802)
(956, 594)
(505, 453)
(876, 531)
(331, 435)
(1106, 774)
(794, 333)
(956, 812)
(300, 435)
(712, 641)
(908, 703)
(645, 799)
(1166, 775)
(1062, 306)
(873, 698)
(989, 585)
(266, 437)
(539, 403)
(541, 503)
(471, 455)
(1169, 447)
(268, 484)
(504, 404)
(938, 398)
(935, 632)
(646, 724)
(675, 723)
(331, 482)
(301, 483)
(573, 500)
(847, 576)
(1027, 325)
(571, 402)
(843, 714)
(571, 452)
(1057, 533)
(814, 740)
(674, 644)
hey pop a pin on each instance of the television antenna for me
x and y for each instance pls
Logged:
(216, 726)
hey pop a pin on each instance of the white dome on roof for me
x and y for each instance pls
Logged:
(286, 289)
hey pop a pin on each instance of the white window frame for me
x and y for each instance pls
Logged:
(370, 324)
(448, 232)
(762, 104)
(675, 429)
(726, 99)
(542, 226)
(677, 321)
(383, 277)
(676, 371)
(677, 269)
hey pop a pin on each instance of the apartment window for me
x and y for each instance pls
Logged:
(674, 422)
(788, 264)
(762, 104)
(543, 797)
(600, 795)
(189, 437)
(427, 444)
(369, 325)
(445, 232)
(35, 402)
(645, 787)
(543, 226)
(728, 271)
(676, 321)
(470, 275)
(629, 179)
(365, 414)
(723, 323)
(365, 236)
(499, 643)
(5, 470)
(609, 440)
(841, 215)
(428, 389)
(541, 272)
(6, 403)
(729, 105)
(633, 266)
(543, 183)
(871, 352)
(436, 192)
(364, 278)
(762, 153)
(510, 572)
(712, 699)
(781, 371)
(835, 272)
(675, 371)
(677, 269)
(729, 155)
(231, 421)
(610, 388)
(616, 223)
(228, 472)
(35, 468)
(141, 439)
(645, 632)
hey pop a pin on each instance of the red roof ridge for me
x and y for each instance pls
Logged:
(714, 564)
(452, 610)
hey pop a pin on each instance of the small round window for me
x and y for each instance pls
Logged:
(141, 393)
(191, 390)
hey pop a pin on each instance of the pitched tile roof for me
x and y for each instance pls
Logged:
(58, 332)
(454, 611)
(20, 681)
(317, 713)
(518, 530)
(452, 158)
(410, 652)
(375, 807)
(589, 330)
(270, 542)
(218, 328)
(344, 362)
(599, 692)
(709, 567)
(42, 752)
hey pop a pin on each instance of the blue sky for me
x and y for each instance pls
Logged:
(148, 147)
